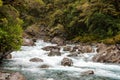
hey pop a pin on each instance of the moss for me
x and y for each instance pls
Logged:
(1, 2)
(108, 41)
(117, 38)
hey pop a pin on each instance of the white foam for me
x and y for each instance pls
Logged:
(21, 58)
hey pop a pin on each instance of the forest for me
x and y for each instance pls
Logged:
(76, 20)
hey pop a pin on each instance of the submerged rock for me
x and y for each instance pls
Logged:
(49, 48)
(11, 76)
(86, 73)
(36, 60)
(67, 62)
(73, 54)
(44, 66)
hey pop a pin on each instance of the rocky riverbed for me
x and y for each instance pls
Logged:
(46, 61)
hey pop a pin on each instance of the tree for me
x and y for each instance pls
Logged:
(10, 29)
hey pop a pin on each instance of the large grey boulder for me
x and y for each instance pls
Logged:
(67, 62)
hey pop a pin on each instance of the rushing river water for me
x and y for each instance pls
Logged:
(20, 62)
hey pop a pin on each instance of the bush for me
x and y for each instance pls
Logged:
(10, 29)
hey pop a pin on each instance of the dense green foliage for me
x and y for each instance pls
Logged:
(79, 20)
(84, 20)
(10, 29)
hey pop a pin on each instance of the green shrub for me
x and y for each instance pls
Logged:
(10, 29)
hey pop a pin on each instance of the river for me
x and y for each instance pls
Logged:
(20, 62)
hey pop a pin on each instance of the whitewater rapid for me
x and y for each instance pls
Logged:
(20, 62)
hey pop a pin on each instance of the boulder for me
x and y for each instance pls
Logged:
(11, 76)
(101, 47)
(67, 48)
(49, 48)
(36, 60)
(54, 52)
(67, 62)
(9, 56)
(28, 42)
(58, 41)
(86, 73)
(75, 48)
(109, 54)
(86, 49)
(33, 30)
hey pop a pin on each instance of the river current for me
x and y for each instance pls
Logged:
(21, 62)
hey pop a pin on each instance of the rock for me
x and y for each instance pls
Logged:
(4, 76)
(101, 47)
(86, 49)
(25, 35)
(33, 30)
(9, 56)
(67, 48)
(67, 62)
(75, 48)
(49, 48)
(54, 52)
(58, 41)
(36, 60)
(28, 42)
(86, 73)
(44, 66)
(11, 76)
(73, 54)
(17, 76)
(34, 39)
(110, 54)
